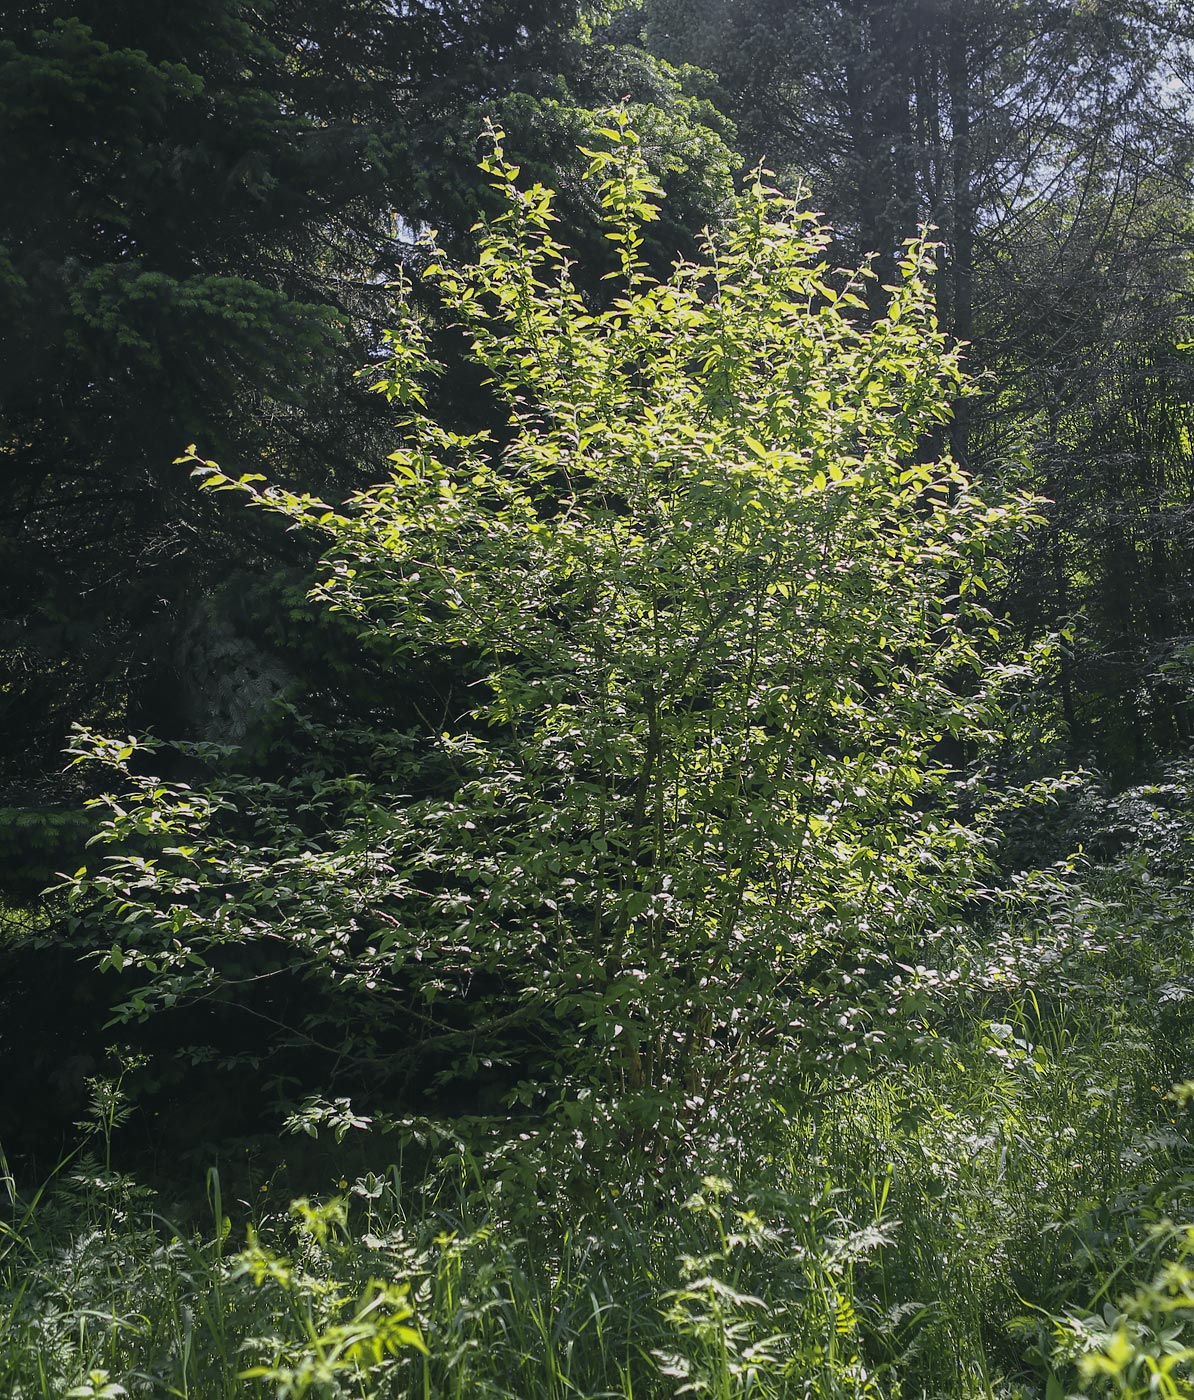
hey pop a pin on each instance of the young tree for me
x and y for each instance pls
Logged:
(687, 811)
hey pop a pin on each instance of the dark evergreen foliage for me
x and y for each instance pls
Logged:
(203, 203)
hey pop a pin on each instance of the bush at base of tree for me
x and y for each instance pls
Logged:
(678, 832)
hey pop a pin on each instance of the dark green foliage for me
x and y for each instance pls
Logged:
(210, 201)
(1115, 561)
(210, 269)
(36, 843)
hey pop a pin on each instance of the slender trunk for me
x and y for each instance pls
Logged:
(958, 80)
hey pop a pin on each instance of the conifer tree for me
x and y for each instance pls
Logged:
(203, 206)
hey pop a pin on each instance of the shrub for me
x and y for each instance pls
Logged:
(715, 610)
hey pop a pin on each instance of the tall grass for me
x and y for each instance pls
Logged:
(917, 1237)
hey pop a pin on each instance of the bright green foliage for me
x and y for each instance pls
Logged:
(1138, 1345)
(723, 627)
(1066, 262)
(685, 139)
(973, 1227)
(339, 1343)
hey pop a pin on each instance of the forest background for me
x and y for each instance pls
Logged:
(213, 217)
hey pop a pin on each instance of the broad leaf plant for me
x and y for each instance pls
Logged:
(719, 609)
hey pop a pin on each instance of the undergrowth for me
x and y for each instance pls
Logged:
(1007, 1218)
